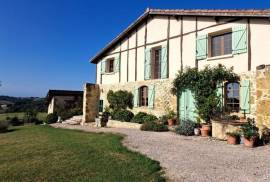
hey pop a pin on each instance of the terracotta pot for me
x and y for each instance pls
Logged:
(197, 131)
(171, 122)
(232, 140)
(204, 132)
(206, 127)
(250, 142)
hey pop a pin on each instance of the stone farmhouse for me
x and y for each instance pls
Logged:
(145, 58)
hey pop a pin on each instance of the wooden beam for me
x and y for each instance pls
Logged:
(120, 53)
(181, 44)
(196, 35)
(168, 45)
(127, 57)
(145, 33)
(136, 57)
(249, 45)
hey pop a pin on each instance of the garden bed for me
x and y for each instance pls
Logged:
(220, 128)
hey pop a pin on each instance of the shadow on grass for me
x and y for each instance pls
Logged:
(9, 130)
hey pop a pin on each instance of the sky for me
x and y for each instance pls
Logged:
(47, 44)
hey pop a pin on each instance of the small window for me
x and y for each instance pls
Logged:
(143, 96)
(110, 66)
(156, 63)
(220, 44)
(232, 97)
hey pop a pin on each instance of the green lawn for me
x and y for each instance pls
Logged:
(43, 153)
(40, 116)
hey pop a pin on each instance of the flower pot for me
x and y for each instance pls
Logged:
(206, 127)
(197, 131)
(204, 132)
(249, 142)
(171, 122)
(232, 140)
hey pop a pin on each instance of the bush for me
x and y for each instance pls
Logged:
(14, 121)
(186, 127)
(164, 119)
(249, 129)
(142, 117)
(51, 118)
(120, 100)
(30, 116)
(4, 126)
(154, 126)
(122, 115)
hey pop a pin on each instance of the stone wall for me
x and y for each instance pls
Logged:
(263, 96)
(163, 97)
(91, 94)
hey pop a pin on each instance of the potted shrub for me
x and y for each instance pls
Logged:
(171, 118)
(205, 130)
(250, 133)
(233, 138)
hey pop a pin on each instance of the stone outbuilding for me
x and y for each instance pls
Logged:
(62, 99)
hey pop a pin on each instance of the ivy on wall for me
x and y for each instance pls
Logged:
(204, 85)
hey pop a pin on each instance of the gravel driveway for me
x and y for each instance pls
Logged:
(195, 158)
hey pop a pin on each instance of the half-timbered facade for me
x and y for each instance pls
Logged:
(145, 57)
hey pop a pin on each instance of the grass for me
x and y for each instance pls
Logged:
(43, 153)
(41, 116)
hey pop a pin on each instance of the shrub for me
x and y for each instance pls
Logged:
(14, 121)
(249, 129)
(142, 117)
(154, 126)
(164, 119)
(30, 116)
(51, 118)
(122, 115)
(265, 135)
(186, 127)
(233, 134)
(120, 100)
(4, 126)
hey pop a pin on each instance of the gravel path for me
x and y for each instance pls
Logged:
(195, 158)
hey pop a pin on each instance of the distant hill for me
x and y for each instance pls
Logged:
(22, 104)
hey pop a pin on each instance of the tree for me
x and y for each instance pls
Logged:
(121, 99)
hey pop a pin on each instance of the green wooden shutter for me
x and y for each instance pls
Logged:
(190, 106)
(245, 96)
(201, 47)
(135, 97)
(239, 39)
(182, 107)
(102, 66)
(147, 64)
(164, 62)
(116, 64)
(220, 94)
(151, 96)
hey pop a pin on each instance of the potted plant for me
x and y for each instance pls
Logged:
(250, 133)
(205, 130)
(104, 119)
(233, 138)
(171, 118)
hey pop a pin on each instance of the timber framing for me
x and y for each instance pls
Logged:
(249, 44)
(176, 36)
(196, 35)
(164, 12)
(136, 52)
(168, 45)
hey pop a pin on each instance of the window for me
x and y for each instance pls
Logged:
(110, 66)
(232, 97)
(143, 96)
(155, 62)
(100, 108)
(220, 44)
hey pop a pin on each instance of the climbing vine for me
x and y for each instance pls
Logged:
(204, 84)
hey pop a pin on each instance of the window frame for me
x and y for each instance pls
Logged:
(143, 96)
(156, 74)
(226, 98)
(108, 65)
(218, 33)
